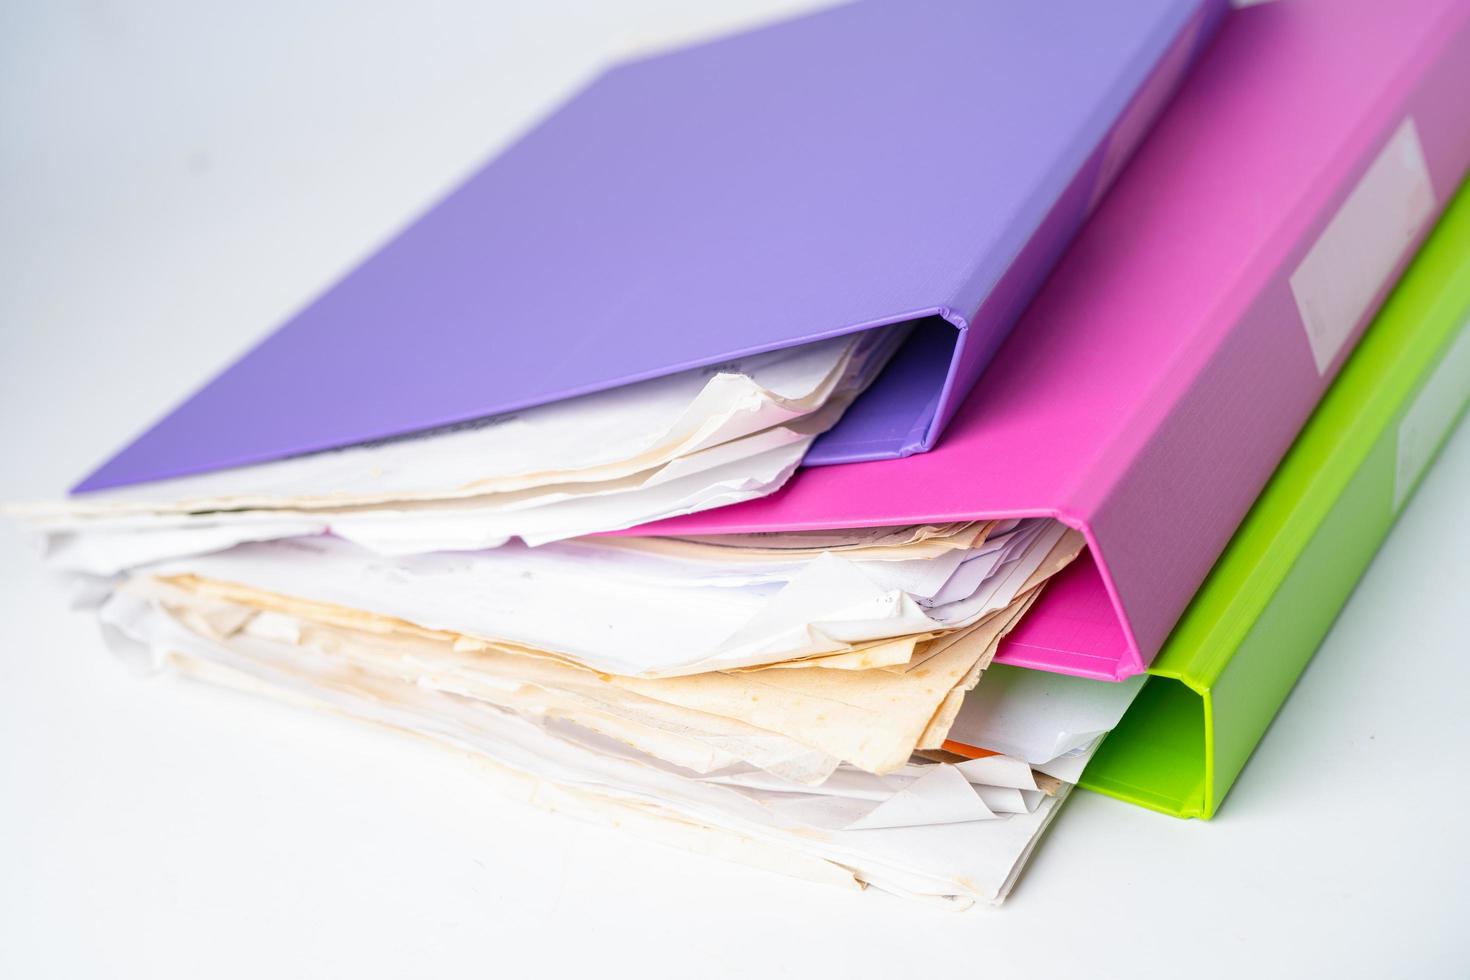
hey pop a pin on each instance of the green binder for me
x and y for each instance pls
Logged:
(1266, 605)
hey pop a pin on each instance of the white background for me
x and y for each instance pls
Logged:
(175, 180)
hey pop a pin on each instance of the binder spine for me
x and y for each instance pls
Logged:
(1269, 603)
(1190, 466)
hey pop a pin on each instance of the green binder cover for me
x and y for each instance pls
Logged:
(1250, 630)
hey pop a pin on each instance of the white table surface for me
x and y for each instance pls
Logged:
(173, 181)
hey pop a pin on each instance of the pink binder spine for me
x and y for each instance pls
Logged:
(1186, 467)
(1164, 369)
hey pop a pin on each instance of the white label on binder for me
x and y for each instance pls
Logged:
(1429, 417)
(1360, 246)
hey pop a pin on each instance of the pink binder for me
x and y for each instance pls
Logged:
(1167, 364)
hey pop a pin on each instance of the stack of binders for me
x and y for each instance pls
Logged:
(828, 446)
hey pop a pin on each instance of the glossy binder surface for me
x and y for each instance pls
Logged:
(1172, 357)
(872, 164)
(1266, 606)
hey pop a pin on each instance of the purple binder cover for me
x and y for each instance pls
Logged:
(883, 162)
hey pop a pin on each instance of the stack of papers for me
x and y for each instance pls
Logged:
(672, 445)
(795, 698)
(800, 700)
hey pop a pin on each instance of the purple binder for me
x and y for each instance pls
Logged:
(878, 163)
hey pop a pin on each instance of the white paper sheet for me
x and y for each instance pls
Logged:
(1041, 717)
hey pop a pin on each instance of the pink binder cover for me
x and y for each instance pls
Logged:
(1165, 367)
